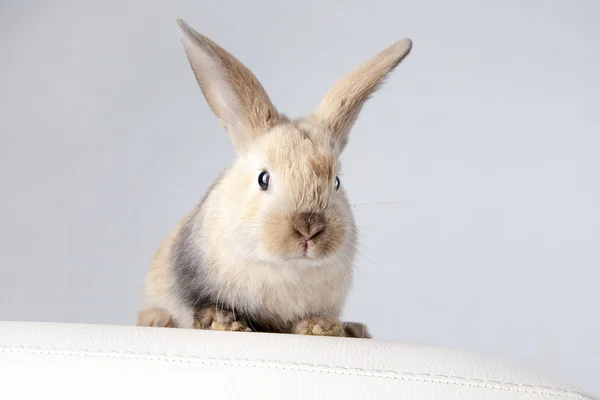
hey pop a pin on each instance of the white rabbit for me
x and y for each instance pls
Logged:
(271, 246)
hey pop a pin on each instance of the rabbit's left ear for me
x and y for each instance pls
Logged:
(342, 105)
(231, 90)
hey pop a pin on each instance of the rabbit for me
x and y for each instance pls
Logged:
(271, 245)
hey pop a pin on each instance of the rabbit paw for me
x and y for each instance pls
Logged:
(155, 317)
(219, 320)
(318, 326)
(356, 330)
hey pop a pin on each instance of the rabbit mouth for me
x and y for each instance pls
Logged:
(310, 250)
(307, 250)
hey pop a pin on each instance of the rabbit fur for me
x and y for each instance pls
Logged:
(271, 246)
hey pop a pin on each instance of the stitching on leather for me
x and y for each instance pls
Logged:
(305, 367)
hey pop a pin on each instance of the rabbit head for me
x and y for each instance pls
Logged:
(282, 199)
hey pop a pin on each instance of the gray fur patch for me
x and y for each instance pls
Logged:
(192, 280)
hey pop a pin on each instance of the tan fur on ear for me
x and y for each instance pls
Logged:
(342, 104)
(232, 91)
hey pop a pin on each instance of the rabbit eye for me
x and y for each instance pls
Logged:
(263, 180)
(337, 183)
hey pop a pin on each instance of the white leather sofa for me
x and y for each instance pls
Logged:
(87, 362)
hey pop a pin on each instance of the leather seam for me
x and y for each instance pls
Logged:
(305, 367)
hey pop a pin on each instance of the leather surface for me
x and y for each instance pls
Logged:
(73, 361)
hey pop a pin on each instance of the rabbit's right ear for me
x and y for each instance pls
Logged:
(231, 90)
(342, 105)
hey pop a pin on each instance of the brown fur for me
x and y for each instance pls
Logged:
(356, 330)
(319, 326)
(219, 320)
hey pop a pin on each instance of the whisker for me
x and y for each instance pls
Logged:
(377, 203)
(381, 268)
(280, 215)
(364, 245)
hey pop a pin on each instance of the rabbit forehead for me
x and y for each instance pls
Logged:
(301, 150)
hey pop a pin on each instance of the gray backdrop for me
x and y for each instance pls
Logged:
(475, 170)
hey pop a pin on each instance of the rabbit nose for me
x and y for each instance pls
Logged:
(308, 225)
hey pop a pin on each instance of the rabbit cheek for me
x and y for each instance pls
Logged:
(279, 238)
(330, 241)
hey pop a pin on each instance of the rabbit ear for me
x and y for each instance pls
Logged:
(231, 90)
(342, 105)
